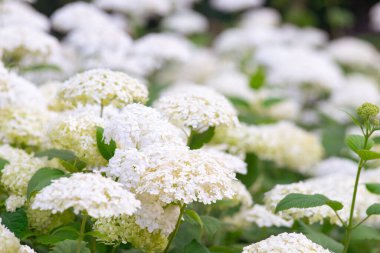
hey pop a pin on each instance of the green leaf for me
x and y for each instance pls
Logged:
(257, 80)
(321, 239)
(194, 216)
(364, 232)
(41, 67)
(355, 120)
(197, 140)
(67, 157)
(106, 150)
(195, 247)
(43, 178)
(373, 209)
(271, 102)
(253, 172)
(211, 224)
(59, 235)
(356, 143)
(17, 221)
(368, 154)
(297, 200)
(373, 188)
(69, 246)
(3, 162)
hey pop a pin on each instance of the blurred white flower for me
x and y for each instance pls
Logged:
(19, 13)
(354, 52)
(334, 165)
(258, 215)
(266, 17)
(374, 15)
(185, 22)
(91, 193)
(235, 5)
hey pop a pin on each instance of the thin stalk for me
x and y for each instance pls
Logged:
(101, 109)
(357, 225)
(350, 227)
(114, 248)
(82, 230)
(173, 234)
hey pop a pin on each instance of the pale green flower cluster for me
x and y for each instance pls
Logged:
(76, 131)
(124, 229)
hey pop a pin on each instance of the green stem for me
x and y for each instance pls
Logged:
(173, 234)
(114, 248)
(101, 109)
(357, 225)
(350, 227)
(82, 230)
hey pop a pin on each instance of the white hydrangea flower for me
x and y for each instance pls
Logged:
(354, 52)
(101, 86)
(24, 125)
(155, 215)
(138, 9)
(242, 195)
(16, 91)
(155, 50)
(285, 243)
(26, 249)
(197, 108)
(374, 15)
(27, 45)
(308, 67)
(235, 5)
(19, 13)
(173, 173)
(76, 131)
(80, 15)
(261, 17)
(283, 142)
(138, 126)
(335, 165)
(185, 22)
(286, 109)
(21, 167)
(258, 215)
(335, 187)
(14, 201)
(9, 242)
(228, 161)
(96, 195)
(222, 82)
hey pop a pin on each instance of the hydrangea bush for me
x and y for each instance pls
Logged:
(185, 127)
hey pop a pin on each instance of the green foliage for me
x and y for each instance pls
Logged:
(43, 178)
(197, 140)
(59, 235)
(356, 143)
(69, 246)
(272, 101)
(195, 247)
(364, 232)
(17, 221)
(368, 154)
(257, 79)
(68, 159)
(211, 224)
(373, 188)
(252, 170)
(374, 209)
(297, 200)
(106, 150)
(3, 162)
(194, 216)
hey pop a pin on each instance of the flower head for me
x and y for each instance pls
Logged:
(284, 243)
(368, 111)
(91, 193)
(102, 87)
(197, 108)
